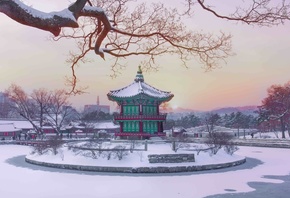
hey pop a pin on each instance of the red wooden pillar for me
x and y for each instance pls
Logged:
(140, 126)
(159, 126)
(157, 109)
(121, 126)
(121, 109)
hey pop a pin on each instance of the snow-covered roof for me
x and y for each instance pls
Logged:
(19, 124)
(203, 128)
(97, 125)
(139, 87)
(105, 125)
(8, 127)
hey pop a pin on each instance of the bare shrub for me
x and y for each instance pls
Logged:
(230, 149)
(132, 145)
(120, 151)
(109, 154)
(61, 154)
(176, 145)
(201, 149)
(40, 148)
(140, 154)
(99, 148)
(54, 143)
(216, 140)
(87, 153)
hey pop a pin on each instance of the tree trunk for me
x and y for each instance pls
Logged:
(282, 128)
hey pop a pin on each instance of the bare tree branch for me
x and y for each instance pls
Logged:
(124, 28)
(257, 12)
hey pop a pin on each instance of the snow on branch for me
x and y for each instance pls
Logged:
(29, 16)
(257, 12)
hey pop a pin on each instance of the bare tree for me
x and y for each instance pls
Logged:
(123, 28)
(41, 97)
(211, 120)
(23, 104)
(276, 106)
(58, 108)
(41, 105)
(5, 109)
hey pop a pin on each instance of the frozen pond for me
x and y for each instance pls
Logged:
(19, 179)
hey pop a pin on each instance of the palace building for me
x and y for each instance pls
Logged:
(139, 102)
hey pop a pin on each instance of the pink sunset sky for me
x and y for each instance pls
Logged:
(30, 59)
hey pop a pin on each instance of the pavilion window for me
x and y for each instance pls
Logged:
(155, 127)
(130, 126)
(151, 127)
(129, 110)
(125, 110)
(144, 110)
(137, 126)
(126, 126)
(135, 110)
(145, 128)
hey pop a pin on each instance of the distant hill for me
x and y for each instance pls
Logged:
(181, 112)
(228, 110)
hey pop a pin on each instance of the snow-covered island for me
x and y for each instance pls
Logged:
(70, 155)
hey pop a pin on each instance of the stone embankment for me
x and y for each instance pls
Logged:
(272, 143)
(171, 158)
(160, 169)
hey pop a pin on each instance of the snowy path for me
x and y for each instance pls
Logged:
(19, 179)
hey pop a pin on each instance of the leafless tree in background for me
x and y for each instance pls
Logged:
(276, 107)
(41, 105)
(41, 98)
(59, 108)
(210, 120)
(5, 109)
(23, 104)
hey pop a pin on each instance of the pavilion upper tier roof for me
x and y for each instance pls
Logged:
(139, 87)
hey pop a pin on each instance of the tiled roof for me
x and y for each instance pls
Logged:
(139, 87)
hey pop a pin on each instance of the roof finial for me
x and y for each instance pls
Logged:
(140, 70)
(139, 76)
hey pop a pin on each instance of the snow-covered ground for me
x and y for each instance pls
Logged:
(19, 179)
